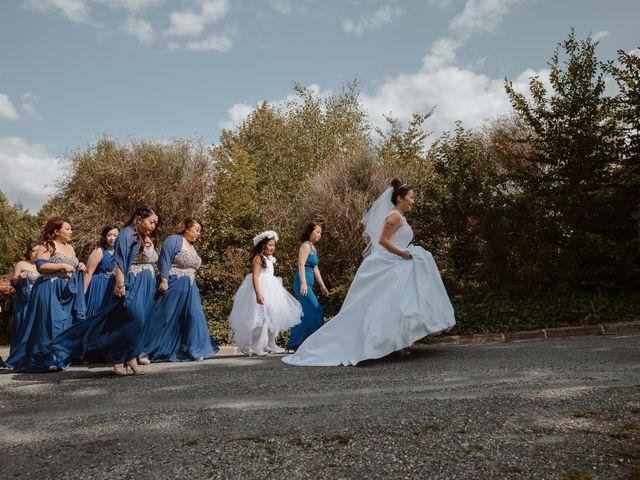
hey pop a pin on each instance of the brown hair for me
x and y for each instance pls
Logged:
(186, 224)
(142, 212)
(105, 231)
(30, 246)
(400, 189)
(49, 233)
(306, 233)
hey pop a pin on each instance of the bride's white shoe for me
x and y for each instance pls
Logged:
(274, 349)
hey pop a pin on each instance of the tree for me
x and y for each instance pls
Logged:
(107, 181)
(577, 140)
(17, 228)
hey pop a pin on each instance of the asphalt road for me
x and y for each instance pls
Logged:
(541, 409)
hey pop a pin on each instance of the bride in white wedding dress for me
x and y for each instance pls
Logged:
(396, 297)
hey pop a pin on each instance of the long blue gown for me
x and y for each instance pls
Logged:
(114, 334)
(56, 302)
(19, 304)
(177, 328)
(312, 312)
(102, 284)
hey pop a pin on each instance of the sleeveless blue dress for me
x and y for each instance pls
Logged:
(114, 334)
(103, 282)
(56, 302)
(19, 304)
(177, 328)
(312, 311)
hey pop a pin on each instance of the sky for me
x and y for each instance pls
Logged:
(72, 71)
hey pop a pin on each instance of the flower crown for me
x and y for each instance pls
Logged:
(270, 234)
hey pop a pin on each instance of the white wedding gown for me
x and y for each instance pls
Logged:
(391, 303)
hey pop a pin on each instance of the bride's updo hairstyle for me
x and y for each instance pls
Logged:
(399, 190)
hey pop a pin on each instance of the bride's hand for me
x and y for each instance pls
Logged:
(406, 254)
(260, 299)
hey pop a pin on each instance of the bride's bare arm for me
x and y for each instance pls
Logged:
(391, 225)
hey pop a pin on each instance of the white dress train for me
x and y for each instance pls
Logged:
(392, 302)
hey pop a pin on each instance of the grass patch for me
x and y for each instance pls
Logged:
(431, 427)
(625, 430)
(580, 474)
(472, 448)
(632, 455)
(299, 442)
(339, 438)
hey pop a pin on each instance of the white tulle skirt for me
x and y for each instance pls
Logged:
(391, 303)
(280, 312)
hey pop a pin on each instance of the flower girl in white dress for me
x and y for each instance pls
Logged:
(262, 307)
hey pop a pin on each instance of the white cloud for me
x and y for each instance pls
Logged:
(30, 104)
(7, 110)
(239, 112)
(77, 11)
(133, 6)
(457, 93)
(382, 16)
(29, 172)
(285, 7)
(141, 29)
(189, 23)
(480, 16)
(173, 46)
(214, 43)
(443, 52)
(600, 35)
(439, 3)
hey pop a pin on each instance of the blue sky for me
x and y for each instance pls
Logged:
(71, 70)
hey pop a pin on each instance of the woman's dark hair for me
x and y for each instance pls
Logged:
(257, 251)
(105, 231)
(399, 190)
(49, 233)
(186, 224)
(308, 230)
(30, 246)
(142, 212)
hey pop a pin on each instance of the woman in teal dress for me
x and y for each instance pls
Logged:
(308, 272)
(99, 279)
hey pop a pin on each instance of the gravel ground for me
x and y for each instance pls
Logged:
(556, 409)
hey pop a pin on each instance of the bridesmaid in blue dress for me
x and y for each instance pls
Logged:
(114, 334)
(308, 271)
(24, 276)
(99, 280)
(177, 328)
(57, 298)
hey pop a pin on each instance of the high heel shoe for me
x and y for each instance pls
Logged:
(120, 370)
(144, 361)
(135, 369)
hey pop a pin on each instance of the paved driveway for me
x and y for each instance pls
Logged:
(554, 409)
